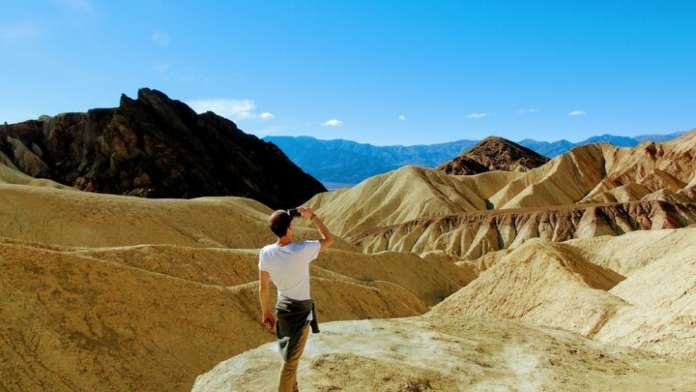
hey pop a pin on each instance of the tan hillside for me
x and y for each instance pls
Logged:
(142, 294)
(604, 193)
(662, 315)
(153, 317)
(652, 307)
(541, 283)
(405, 194)
(10, 175)
(629, 253)
(589, 174)
(565, 179)
(50, 216)
(472, 235)
(500, 275)
(453, 354)
(412, 193)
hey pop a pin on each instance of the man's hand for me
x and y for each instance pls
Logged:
(269, 321)
(326, 238)
(306, 212)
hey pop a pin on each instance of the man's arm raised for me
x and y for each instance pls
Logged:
(326, 237)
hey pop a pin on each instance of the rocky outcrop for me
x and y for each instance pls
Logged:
(494, 153)
(156, 147)
(472, 235)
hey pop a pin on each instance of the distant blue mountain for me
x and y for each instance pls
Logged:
(659, 138)
(345, 162)
(548, 149)
(551, 149)
(348, 162)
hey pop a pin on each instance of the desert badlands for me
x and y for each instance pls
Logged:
(572, 274)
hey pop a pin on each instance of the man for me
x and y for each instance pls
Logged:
(286, 263)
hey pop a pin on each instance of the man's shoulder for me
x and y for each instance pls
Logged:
(300, 245)
(265, 250)
(307, 242)
(267, 247)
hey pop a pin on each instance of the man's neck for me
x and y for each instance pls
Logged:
(283, 241)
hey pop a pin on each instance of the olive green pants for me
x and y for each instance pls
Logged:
(288, 374)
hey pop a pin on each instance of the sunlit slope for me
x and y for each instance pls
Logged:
(452, 354)
(103, 292)
(406, 194)
(564, 180)
(590, 174)
(649, 304)
(89, 219)
(152, 317)
(10, 175)
(542, 283)
(472, 235)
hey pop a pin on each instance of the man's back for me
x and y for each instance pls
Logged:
(289, 267)
(286, 263)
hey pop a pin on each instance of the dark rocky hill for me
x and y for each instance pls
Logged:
(157, 147)
(494, 153)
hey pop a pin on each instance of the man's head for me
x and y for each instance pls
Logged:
(281, 224)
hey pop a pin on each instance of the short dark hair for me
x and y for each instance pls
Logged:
(279, 222)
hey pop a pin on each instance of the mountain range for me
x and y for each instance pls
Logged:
(342, 162)
(498, 270)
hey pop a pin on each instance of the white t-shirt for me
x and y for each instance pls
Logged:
(289, 267)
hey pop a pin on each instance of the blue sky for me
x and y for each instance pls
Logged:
(382, 72)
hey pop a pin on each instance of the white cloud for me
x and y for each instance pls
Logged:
(576, 113)
(402, 117)
(332, 123)
(527, 110)
(160, 38)
(234, 109)
(476, 115)
(267, 116)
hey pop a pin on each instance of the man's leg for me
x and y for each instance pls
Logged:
(288, 374)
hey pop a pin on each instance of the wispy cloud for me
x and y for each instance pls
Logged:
(267, 116)
(524, 111)
(576, 113)
(476, 115)
(21, 31)
(332, 123)
(160, 38)
(402, 117)
(234, 109)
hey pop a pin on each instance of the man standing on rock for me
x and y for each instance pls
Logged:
(286, 263)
